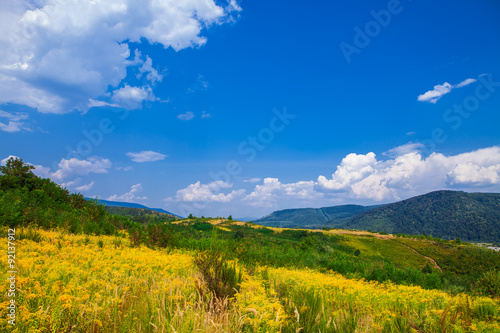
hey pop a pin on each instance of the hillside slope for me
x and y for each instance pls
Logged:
(133, 205)
(443, 214)
(140, 215)
(313, 217)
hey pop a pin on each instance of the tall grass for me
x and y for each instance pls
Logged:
(83, 283)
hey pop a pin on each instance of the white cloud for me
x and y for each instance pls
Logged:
(15, 122)
(39, 170)
(128, 168)
(4, 161)
(234, 5)
(73, 166)
(205, 114)
(152, 74)
(199, 85)
(352, 169)
(210, 192)
(365, 177)
(272, 190)
(464, 83)
(473, 174)
(410, 147)
(69, 168)
(55, 56)
(71, 183)
(361, 178)
(146, 156)
(130, 196)
(132, 97)
(85, 188)
(252, 180)
(97, 104)
(186, 116)
(432, 96)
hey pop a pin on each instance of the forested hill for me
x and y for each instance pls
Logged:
(109, 204)
(313, 217)
(443, 214)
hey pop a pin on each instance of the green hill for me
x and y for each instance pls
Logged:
(313, 217)
(108, 203)
(141, 215)
(443, 214)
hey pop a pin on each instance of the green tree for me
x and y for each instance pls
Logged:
(230, 218)
(15, 174)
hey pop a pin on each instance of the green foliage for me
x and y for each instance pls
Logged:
(221, 278)
(311, 217)
(230, 218)
(427, 269)
(30, 201)
(445, 214)
(16, 174)
(489, 283)
(140, 215)
(202, 226)
(357, 253)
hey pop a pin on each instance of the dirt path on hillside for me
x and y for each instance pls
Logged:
(358, 233)
(434, 263)
(386, 237)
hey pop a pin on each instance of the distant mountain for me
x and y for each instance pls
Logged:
(313, 217)
(443, 214)
(134, 205)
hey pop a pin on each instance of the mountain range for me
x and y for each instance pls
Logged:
(444, 214)
(133, 205)
(312, 218)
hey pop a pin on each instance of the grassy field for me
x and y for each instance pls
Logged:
(82, 283)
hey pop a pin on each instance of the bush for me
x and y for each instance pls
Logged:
(489, 283)
(221, 278)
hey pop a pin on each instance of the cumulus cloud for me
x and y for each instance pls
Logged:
(74, 166)
(132, 97)
(15, 122)
(473, 174)
(432, 96)
(39, 170)
(210, 192)
(55, 56)
(151, 73)
(85, 188)
(400, 173)
(4, 161)
(353, 168)
(272, 190)
(365, 177)
(130, 196)
(186, 116)
(146, 156)
(407, 148)
(71, 183)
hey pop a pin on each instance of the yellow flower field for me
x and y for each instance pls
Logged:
(79, 283)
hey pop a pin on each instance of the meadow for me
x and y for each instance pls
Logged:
(85, 283)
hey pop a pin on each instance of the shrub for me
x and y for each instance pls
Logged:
(221, 278)
(489, 283)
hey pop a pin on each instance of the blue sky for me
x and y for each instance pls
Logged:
(246, 107)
